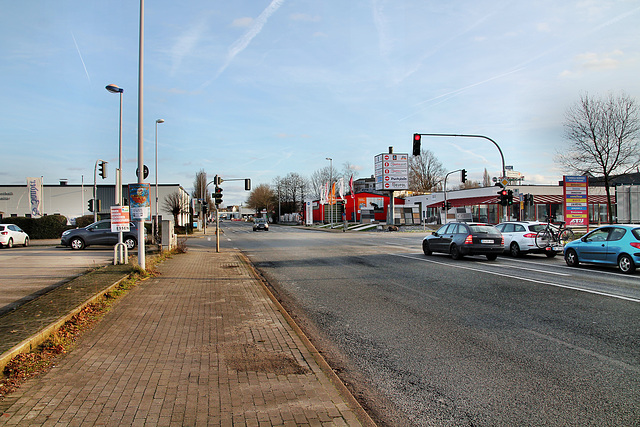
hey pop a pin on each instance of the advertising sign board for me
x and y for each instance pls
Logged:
(140, 205)
(576, 200)
(119, 218)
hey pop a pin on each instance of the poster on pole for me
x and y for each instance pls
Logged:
(139, 202)
(120, 218)
(576, 201)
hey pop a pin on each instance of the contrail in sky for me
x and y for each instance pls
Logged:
(242, 43)
(80, 55)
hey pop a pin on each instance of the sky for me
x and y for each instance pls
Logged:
(262, 88)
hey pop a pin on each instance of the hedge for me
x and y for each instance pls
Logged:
(46, 227)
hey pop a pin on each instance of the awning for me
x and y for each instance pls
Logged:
(537, 199)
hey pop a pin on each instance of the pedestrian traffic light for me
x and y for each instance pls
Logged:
(509, 197)
(102, 169)
(90, 205)
(218, 195)
(463, 176)
(416, 144)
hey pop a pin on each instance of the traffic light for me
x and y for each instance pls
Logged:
(205, 208)
(416, 144)
(448, 205)
(102, 169)
(443, 205)
(218, 195)
(463, 175)
(247, 184)
(503, 196)
(217, 180)
(90, 205)
(509, 198)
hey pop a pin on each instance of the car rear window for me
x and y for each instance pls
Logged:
(537, 227)
(636, 233)
(484, 229)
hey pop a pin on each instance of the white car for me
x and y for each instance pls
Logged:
(520, 238)
(11, 234)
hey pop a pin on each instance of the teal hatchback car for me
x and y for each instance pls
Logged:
(617, 244)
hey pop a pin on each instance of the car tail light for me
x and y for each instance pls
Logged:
(4, 233)
(530, 235)
(635, 244)
(502, 240)
(468, 240)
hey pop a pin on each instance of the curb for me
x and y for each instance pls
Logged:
(362, 415)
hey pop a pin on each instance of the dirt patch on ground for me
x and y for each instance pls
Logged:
(248, 357)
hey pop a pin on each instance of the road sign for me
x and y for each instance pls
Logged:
(392, 171)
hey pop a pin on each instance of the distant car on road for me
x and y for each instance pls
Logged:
(99, 233)
(520, 238)
(617, 244)
(260, 224)
(11, 234)
(461, 238)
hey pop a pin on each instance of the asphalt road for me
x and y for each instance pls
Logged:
(432, 341)
(28, 272)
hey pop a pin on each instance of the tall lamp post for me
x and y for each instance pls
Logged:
(155, 222)
(330, 187)
(140, 221)
(115, 89)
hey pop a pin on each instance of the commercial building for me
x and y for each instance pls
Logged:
(72, 200)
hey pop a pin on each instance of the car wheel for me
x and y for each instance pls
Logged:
(571, 258)
(626, 264)
(514, 249)
(551, 254)
(10, 243)
(426, 249)
(455, 252)
(130, 242)
(26, 242)
(77, 243)
(492, 257)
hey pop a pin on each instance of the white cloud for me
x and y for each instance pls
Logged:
(242, 22)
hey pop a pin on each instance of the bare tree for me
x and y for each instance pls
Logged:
(262, 197)
(319, 178)
(199, 187)
(176, 204)
(602, 135)
(426, 172)
(486, 179)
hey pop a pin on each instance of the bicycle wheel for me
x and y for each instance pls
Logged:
(544, 238)
(566, 236)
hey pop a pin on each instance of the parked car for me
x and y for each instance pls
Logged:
(99, 233)
(461, 238)
(520, 238)
(11, 234)
(260, 224)
(617, 244)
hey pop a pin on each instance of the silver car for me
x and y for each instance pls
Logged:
(520, 238)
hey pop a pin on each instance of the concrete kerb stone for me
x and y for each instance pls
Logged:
(42, 335)
(362, 415)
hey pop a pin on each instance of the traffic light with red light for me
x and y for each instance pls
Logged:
(503, 197)
(218, 195)
(416, 144)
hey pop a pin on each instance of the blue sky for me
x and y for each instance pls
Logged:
(260, 88)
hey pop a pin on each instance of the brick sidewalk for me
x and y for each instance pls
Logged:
(201, 344)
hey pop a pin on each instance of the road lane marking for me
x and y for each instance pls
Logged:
(583, 350)
(557, 285)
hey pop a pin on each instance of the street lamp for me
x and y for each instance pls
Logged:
(118, 193)
(330, 187)
(155, 222)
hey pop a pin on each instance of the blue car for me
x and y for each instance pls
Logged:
(610, 245)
